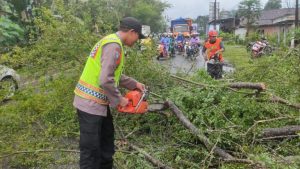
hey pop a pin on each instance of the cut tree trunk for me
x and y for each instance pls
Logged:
(246, 85)
(283, 101)
(283, 131)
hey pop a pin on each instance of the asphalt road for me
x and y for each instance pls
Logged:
(180, 63)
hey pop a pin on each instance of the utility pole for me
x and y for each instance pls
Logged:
(296, 15)
(215, 15)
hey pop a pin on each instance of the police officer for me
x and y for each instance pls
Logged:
(96, 91)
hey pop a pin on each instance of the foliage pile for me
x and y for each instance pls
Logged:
(45, 119)
(39, 124)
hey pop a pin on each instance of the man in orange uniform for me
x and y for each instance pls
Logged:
(213, 47)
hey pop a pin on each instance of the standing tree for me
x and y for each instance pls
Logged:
(250, 11)
(289, 4)
(273, 4)
(104, 15)
(202, 22)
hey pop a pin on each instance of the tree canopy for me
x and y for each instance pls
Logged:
(273, 4)
(250, 11)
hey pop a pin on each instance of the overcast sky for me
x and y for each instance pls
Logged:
(194, 8)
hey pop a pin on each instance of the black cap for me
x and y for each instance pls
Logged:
(132, 23)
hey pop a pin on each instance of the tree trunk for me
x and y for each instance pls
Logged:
(246, 85)
(237, 85)
(284, 131)
(283, 101)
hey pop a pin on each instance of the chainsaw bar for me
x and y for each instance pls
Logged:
(157, 107)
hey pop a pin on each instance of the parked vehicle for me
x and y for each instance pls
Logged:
(260, 48)
(9, 82)
(249, 46)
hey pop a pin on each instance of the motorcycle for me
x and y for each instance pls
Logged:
(261, 48)
(192, 51)
(249, 46)
(179, 46)
(162, 51)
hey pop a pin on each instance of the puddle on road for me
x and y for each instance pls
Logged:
(181, 64)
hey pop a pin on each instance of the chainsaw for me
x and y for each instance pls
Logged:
(138, 104)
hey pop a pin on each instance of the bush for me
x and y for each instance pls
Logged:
(10, 33)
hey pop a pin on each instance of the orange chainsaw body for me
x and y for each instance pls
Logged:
(137, 103)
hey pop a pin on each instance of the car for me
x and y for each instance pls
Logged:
(9, 82)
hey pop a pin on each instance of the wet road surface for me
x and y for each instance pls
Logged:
(180, 63)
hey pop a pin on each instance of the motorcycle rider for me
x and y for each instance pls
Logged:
(179, 42)
(213, 47)
(180, 37)
(195, 40)
(171, 44)
(165, 42)
(186, 43)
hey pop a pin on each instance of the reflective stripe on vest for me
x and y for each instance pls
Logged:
(212, 48)
(88, 86)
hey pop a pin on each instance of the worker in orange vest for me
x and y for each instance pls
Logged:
(213, 47)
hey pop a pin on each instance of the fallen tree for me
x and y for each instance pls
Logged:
(283, 131)
(246, 85)
(236, 85)
(218, 151)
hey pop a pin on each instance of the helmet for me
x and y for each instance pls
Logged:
(212, 33)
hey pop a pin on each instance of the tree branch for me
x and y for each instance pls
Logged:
(154, 161)
(283, 101)
(247, 85)
(236, 85)
(38, 151)
(283, 131)
(218, 151)
(263, 121)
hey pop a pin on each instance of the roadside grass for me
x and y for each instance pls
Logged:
(237, 56)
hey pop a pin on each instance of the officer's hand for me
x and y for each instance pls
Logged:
(140, 86)
(123, 102)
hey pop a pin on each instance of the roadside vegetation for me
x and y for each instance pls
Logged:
(39, 127)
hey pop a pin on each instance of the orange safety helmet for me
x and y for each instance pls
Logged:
(212, 33)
